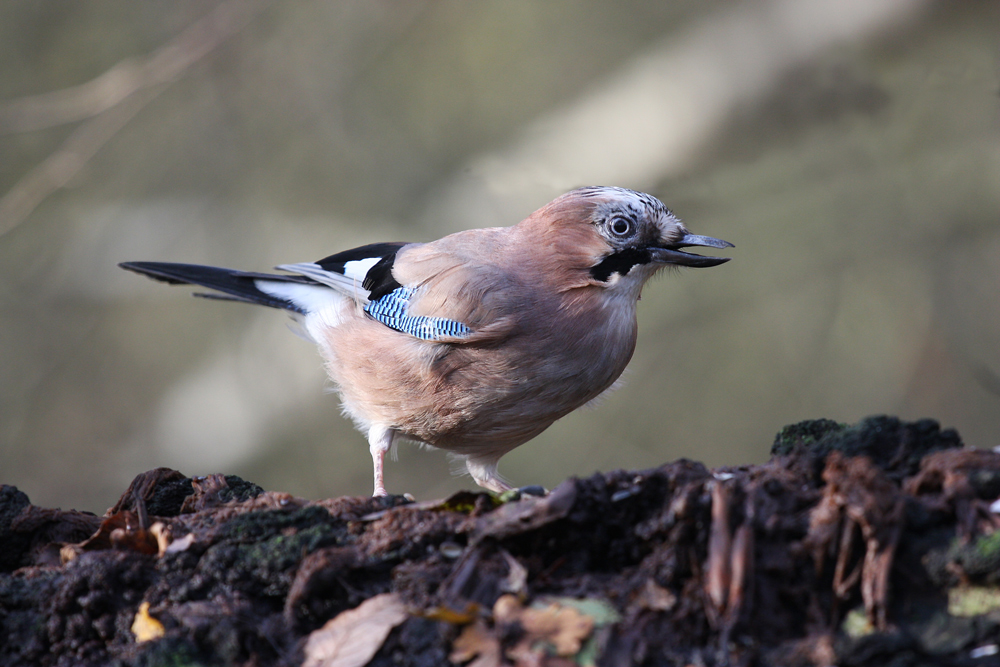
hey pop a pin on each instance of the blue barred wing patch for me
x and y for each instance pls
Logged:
(391, 311)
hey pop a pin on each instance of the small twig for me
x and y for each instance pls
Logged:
(164, 65)
(109, 102)
(56, 170)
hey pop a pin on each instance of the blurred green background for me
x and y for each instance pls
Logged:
(850, 149)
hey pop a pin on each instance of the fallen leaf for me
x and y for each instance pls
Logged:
(564, 627)
(145, 627)
(180, 544)
(161, 532)
(353, 637)
(476, 641)
(118, 531)
(601, 611)
(453, 616)
(507, 609)
(557, 627)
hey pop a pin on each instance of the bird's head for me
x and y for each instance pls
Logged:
(621, 237)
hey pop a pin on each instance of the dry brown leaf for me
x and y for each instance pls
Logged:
(476, 641)
(353, 637)
(555, 630)
(564, 627)
(161, 532)
(165, 540)
(507, 608)
(145, 627)
(122, 530)
(453, 616)
(180, 544)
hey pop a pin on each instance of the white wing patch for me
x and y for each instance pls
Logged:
(311, 298)
(358, 269)
(346, 285)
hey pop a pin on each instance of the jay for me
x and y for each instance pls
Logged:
(479, 341)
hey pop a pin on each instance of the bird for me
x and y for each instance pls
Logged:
(477, 342)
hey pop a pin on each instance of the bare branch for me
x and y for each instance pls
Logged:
(109, 102)
(164, 65)
(57, 169)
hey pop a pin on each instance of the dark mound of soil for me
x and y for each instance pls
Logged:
(871, 544)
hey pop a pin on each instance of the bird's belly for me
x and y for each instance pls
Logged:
(467, 399)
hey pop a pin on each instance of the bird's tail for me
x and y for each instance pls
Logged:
(230, 284)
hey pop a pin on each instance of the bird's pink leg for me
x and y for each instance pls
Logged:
(379, 442)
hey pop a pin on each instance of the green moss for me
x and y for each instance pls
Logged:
(253, 526)
(804, 434)
(979, 561)
(856, 624)
(266, 566)
(239, 489)
(892, 444)
(968, 601)
(988, 546)
(257, 553)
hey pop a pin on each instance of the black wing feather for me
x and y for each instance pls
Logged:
(234, 285)
(337, 261)
(378, 280)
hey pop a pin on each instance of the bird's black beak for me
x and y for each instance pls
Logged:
(672, 254)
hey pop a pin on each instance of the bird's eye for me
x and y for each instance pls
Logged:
(620, 226)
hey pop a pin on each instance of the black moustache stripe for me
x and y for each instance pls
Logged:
(620, 262)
